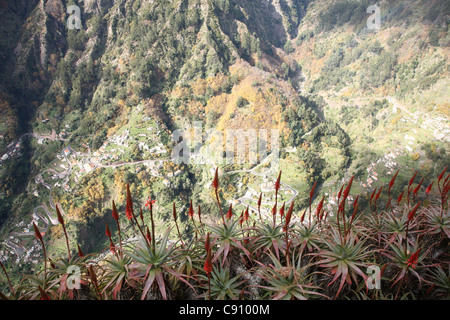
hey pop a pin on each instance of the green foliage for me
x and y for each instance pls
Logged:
(380, 70)
(288, 47)
(241, 102)
(342, 12)
(300, 119)
(76, 39)
(288, 283)
(223, 287)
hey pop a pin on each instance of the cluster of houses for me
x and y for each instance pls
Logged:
(386, 162)
(170, 175)
(83, 163)
(437, 125)
(333, 201)
(386, 165)
(158, 149)
(14, 247)
(14, 152)
(120, 140)
(154, 167)
(103, 156)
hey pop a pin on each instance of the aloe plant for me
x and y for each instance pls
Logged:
(406, 262)
(116, 277)
(228, 236)
(440, 282)
(288, 283)
(344, 257)
(32, 287)
(62, 273)
(221, 286)
(308, 237)
(437, 222)
(154, 265)
(268, 237)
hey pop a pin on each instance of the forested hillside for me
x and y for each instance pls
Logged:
(86, 111)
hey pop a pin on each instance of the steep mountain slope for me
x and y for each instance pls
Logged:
(103, 101)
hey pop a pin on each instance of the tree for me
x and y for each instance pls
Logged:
(241, 102)
(288, 48)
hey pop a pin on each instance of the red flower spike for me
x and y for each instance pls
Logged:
(303, 216)
(44, 295)
(274, 210)
(281, 210)
(230, 212)
(448, 176)
(37, 233)
(340, 192)
(207, 244)
(416, 189)
(393, 180)
(412, 179)
(378, 194)
(80, 252)
(174, 212)
(446, 189)
(215, 182)
(107, 231)
(259, 200)
(355, 208)
(115, 214)
(246, 215)
(413, 259)
(413, 212)
(129, 213)
(311, 193)
(278, 183)
(442, 174)
(356, 201)
(129, 208)
(320, 206)
(191, 210)
(289, 214)
(373, 193)
(428, 190)
(347, 189)
(241, 218)
(92, 275)
(208, 264)
(400, 197)
(59, 215)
